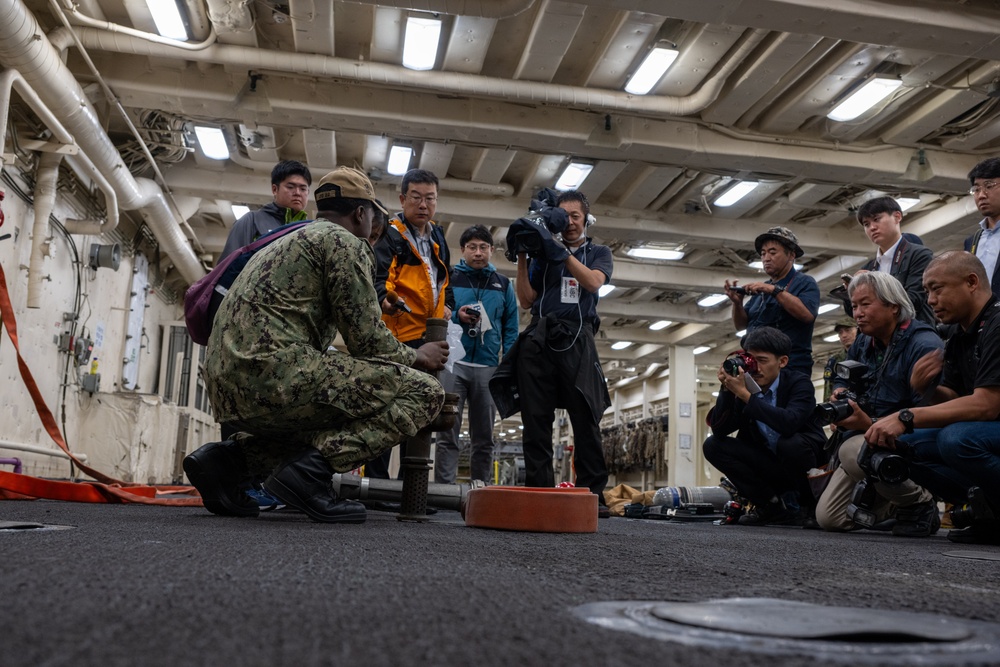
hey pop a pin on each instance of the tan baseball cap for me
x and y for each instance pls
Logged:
(349, 183)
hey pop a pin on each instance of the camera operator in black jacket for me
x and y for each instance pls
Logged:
(890, 343)
(777, 441)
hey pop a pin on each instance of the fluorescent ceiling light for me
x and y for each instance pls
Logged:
(740, 333)
(906, 203)
(662, 324)
(399, 159)
(827, 307)
(700, 349)
(759, 265)
(652, 69)
(715, 394)
(168, 20)
(212, 142)
(573, 176)
(605, 290)
(520, 427)
(712, 300)
(239, 210)
(831, 339)
(736, 193)
(420, 46)
(621, 345)
(864, 98)
(656, 253)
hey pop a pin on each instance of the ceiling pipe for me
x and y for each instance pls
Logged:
(487, 9)
(23, 46)
(946, 215)
(82, 19)
(12, 80)
(457, 83)
(46, 178)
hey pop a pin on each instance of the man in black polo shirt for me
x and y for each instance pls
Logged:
(557, 363)
(956, 444)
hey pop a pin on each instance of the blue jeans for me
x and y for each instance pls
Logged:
(951, 459)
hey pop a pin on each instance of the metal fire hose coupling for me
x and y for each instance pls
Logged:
(416, 464)
(441, 496)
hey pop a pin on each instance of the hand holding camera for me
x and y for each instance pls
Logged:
(474, 318)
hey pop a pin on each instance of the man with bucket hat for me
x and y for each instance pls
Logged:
(302, 409)
(789, 301)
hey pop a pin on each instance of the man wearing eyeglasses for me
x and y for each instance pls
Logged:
(417, 282)
(487, 312)
(985, 243)
(419, 272)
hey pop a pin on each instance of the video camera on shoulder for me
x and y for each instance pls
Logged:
(543, 211)
(738, 360)
(854, 373)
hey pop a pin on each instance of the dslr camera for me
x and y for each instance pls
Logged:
(738, 360)
(476, 316)
(879, 465)
(738, 289)
(854, 373)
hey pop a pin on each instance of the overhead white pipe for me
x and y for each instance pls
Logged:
(12, 79)
(23, 46)
(83, 19)
(38, 449)
(457, 83)
(487, 9)
(46, 178)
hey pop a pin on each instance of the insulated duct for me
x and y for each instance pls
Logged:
(24, 47)
(46, 177)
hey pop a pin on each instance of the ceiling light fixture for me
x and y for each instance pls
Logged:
(167, 17)
(621, 345)
(827, 307)
(759, 265)
(712, 300)
(573, 176)
(832, 338)
(906, 203)
(662, 324)
(652, 69)
(420, 45)
(741, 333)
(700, 349)
(239, 210)
(656, 253)
(736, 193)
(605, 290)
(399, 159)
(212, 142)
(864, 98)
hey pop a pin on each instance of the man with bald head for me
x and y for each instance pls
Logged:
(955, 435)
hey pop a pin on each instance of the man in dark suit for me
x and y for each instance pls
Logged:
(985, 243)
(776, 442)
(896, 255)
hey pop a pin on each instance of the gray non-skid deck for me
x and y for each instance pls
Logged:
(135, 585)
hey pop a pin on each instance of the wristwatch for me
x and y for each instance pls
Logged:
(906, 417)
(776, 292)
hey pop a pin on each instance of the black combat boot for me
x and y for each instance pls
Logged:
(219, 471)
(303, 482)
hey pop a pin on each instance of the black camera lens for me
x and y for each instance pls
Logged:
(889, 468)
(742, 291)
(832, 411)
(732, 365)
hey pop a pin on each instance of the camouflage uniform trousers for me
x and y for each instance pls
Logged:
(346, 419)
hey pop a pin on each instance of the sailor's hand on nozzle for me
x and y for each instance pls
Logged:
(431, 356)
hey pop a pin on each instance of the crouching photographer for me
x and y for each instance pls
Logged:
(889, 345)
(776, 442)
(953, 441)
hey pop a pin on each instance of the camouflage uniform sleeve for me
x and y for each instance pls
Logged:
(356, 308)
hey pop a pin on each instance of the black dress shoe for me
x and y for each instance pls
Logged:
(303, 482)
(771, 514)
(219, 471)
(980, 533)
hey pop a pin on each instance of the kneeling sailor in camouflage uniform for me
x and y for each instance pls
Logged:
(305, 409)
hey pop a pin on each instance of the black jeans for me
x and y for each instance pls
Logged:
(760, 474)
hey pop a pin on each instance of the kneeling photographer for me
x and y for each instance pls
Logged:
(777, 441)
(890, 342)
(955, 448)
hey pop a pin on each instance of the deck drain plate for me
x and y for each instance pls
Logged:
(781, 627)
(27, 527)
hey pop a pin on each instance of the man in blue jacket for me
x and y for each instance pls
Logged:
(487, 310)
(777, 441)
